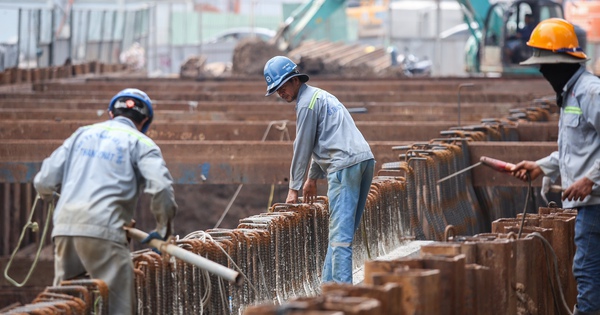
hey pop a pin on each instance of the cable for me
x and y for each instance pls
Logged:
(203, 236)
(526, 205)
(34, 227)
(556, 273)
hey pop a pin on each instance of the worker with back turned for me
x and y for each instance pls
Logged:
(98, 172)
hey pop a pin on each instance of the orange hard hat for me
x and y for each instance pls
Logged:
(558, 36)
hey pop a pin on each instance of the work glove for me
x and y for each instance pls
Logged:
(48, 197)
(546, 184)
(151, 236)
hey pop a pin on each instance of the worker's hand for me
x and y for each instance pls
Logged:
(579, 190)
(152, 236)
(292, 196)
(48, 197)
(130, 225)
(309, 191)
(520, 170)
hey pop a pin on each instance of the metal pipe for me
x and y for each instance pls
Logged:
(112, 36)
(70, 23)
(19, 37)
(29, 32)
(52, 38)
(459, 88)
(189, 257)
(38, 37)
(101, 39)
(87, 33)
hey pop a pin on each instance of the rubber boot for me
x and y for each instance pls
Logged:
(578, 312)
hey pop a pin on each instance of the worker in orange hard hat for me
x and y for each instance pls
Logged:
(562, 62)
(100, 171)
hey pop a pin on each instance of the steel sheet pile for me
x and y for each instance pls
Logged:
(280, 253)
(491, 273)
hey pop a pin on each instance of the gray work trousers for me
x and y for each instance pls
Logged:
(102, 259)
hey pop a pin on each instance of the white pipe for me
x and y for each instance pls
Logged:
(189, 257)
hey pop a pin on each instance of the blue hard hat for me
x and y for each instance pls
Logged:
(279, 70)
(143, 104)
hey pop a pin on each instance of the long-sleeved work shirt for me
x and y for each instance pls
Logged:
(578, 152)
(99, 171)
(326, 132)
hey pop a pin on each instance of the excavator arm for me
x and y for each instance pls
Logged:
(474, 14)
(306, 18)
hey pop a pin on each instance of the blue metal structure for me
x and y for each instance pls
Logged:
(493, 28)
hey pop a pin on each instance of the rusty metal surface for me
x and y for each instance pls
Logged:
(237, 108)
(535, 85)
(449, 107)
(245, 161)
(199, 116)
(224, 131)
(345, 95)
(256, 130)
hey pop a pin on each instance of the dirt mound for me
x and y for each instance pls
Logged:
(250, 56)
(192, 67)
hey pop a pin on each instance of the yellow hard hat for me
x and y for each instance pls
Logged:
(554, 41)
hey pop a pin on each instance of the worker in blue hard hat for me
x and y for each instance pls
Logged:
(562, 63)
(98, 172)
(329, 145)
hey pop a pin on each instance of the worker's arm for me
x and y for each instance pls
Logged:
(582, 187)
(159, 184)
(306, 130)
(49, 179)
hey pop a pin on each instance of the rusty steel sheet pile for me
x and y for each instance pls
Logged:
(489, 273)
(28, 75)
(472, 265)
(280, 252)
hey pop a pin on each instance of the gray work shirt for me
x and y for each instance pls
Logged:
(578, 152)
(326, 131)
(99, 171)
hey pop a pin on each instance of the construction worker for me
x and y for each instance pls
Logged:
(326, 132)
(98, 171)
(562, 62)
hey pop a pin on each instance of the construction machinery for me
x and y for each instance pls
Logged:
(249, 55)
(494, 45)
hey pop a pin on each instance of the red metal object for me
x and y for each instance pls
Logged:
(498, 165)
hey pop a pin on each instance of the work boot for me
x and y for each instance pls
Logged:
(578, 312)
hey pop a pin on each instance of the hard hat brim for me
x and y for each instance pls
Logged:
(303, 78)
(542, 56)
